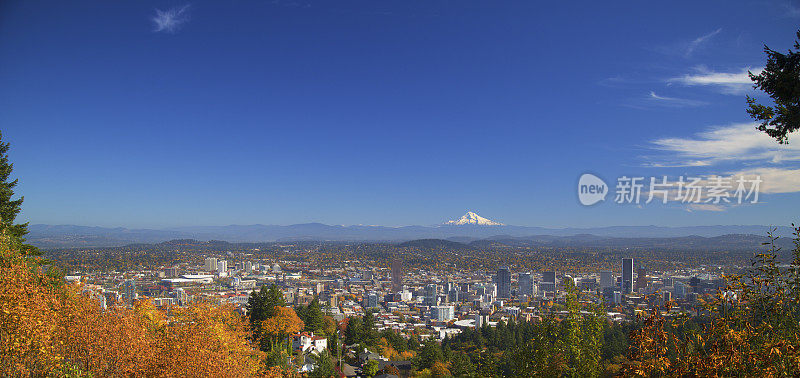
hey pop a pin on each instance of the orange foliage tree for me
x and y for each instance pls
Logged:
(278, 327)
(50, 328)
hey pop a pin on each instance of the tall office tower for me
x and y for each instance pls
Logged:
(548, 282)
(641, 279)
(211, 264)
(549, 277)
(606, 279)
(222, 266)
(452, 295)
(503, 282)
(397, 276)
(526, 284)
(371, 300)
(129, 291)
(248, 266)
(680, 290)
(627, 276)
(431, 295)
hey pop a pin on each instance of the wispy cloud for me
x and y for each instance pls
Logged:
(727, 82)
(719, 192)
(674, 101)
(170, 20)
(734, 143)
(699, 41)
(704, 207)
(776, 180)
(686, 47)
(741, 150)
(788, 8)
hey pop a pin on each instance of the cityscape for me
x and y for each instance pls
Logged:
(399, 189)
(417, 290)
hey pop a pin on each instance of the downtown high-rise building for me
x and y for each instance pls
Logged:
(526, 284)
(548, 283)
(431, 295)
(128, 290)
(606, 279)
(210, 264)
(627, 276)
(222, 267)
(680, 290)
(371, 300)
(641, 279)
(397, 276)
(442, 313)
(503, 281)
(452, 295)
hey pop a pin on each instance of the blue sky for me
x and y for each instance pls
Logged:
(169, 113)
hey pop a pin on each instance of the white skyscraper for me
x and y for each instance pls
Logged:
(222, 267)
(211, 264)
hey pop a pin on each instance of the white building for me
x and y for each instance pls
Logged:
(513, 311)
(211, 264)
(222, 267)
(442, 313)
(307, 342)
(481, 319)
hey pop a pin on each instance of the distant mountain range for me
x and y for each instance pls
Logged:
(70, 236)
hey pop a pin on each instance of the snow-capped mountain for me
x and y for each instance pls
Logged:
(472, 218)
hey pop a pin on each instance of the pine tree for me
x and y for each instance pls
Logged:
(261, 305)
(313, 317)
(10, 208)
(323, 366)
(780, 79)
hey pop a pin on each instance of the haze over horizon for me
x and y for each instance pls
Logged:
(154, 115)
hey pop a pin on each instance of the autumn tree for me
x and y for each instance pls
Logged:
(753, 328)
(274, 330)
(50, 328)
(261, 304)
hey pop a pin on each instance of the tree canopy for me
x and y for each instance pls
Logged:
(780, 79)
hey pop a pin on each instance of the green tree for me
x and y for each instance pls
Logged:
(370, 369)
(313, 317)
(323, 366)
(430, 353)
(368, 334)
(353, 332)
(261, 305)
(460, 365)
(9, 207)
(781, 81)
